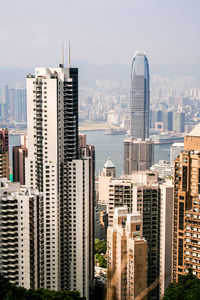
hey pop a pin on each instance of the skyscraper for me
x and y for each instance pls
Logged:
(138, 152)
(57, 168)
(139, 96)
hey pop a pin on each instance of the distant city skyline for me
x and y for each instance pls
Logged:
(102, 32)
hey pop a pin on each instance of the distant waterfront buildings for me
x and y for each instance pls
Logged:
(179, 122)
(168, 120)
(13, 107)
(139, 97)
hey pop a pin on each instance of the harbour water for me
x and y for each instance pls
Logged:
(113, 146)
(108, 145)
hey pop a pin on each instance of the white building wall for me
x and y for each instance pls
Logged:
(79, 197)
(79, 169)
(50, 177)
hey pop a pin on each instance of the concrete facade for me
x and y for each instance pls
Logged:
(138, 155)
(186, 216)
(166, 221)
(19, 234)
(127, 256)
(61, 166)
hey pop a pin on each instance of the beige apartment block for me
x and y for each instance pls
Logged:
(140, 192)
(186, 216)
(127, 256)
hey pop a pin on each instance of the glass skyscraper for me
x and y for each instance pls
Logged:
(139, 96)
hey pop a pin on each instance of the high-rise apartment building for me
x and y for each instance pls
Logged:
(138, 155)
(127, 256)
(139, 96)
(58, 168)
(4, 153)
(86, 151)
(140, 192)
(186, 217)
(19, 233)
(166, 221)
(147, 201)
(19, 153)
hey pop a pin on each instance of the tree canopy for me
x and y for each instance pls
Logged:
(100, 246)
(187, 288)
(9, 291)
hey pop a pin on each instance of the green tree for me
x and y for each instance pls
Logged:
(9, 291)
(187, 288)
(100, 246)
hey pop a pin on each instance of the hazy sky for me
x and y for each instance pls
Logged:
(100, 31)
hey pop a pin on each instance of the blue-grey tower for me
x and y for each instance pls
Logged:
(139, 96)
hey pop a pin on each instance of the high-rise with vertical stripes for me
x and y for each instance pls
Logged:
(56, 168)
(139, 96)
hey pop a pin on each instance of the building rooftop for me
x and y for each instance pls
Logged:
(109, 164)
(178, 144)
(195, 131)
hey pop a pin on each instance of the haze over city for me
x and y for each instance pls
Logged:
(101, 32)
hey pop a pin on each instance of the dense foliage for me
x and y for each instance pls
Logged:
(9, 291)
(101, 260)
(100, 252)
(100, 246)
(187, 288)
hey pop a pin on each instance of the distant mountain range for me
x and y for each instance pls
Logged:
(88, 72)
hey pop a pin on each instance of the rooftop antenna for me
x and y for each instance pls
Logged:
(63, 60)
(69, 57)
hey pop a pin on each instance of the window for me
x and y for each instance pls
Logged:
(184, 181)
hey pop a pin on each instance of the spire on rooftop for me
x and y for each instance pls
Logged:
(109, 163)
